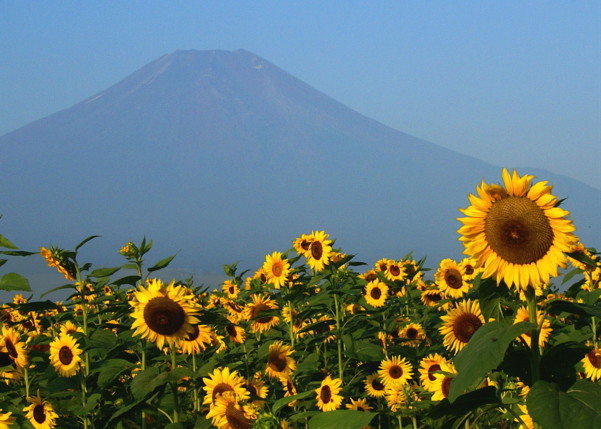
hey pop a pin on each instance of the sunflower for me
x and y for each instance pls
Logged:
(276, 269)
(302, 245)
(320, 250)
(427, 369)
(279, 362)
(261, 303)
(395, 397)
(70, 328)
(525, 417)
(460, 324)
(256, 387)
(11, 344)
(231, 289)
(40, 413)
(376, 293)
(450, 279)
(382, 264)
(395, 371)
(442, 383)
(359, 405)
(522, 315)
(395, 270)
(328, 398)
(196, 340)
(469, 268)
(56, 258)
(227, 413)
(517, 232)
(289, 389)
(369, 275)
(430, 297)
(163, 313)
(592, 364)
(236, 333)
(413, 334)
(222, 380)
(6, 420)
(64, 355)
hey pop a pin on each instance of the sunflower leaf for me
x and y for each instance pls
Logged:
(161, 264)
(348, 419)
(286, 400)
(14, 281)
(5, 242)
(484, 352)
(578, 407)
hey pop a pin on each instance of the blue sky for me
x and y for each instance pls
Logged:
(512, 83)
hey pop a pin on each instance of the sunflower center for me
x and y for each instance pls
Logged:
(277, 361)
(395, 270)
(376, 293)
(594, 357)
(65, 355)
(164, 316)
(445, 386)
(236, 417)
(518, 230)
(432, 370)
(10, 348)
(411, 333)
(377, 385)
(5, 359)
(465, 326)
(326, 394)
(220, 389)
(305, 245)
(193, 334)
(316, 250)
(453, 278)
(38, 414)
(231, 331)
(277, 269)
(395, 371)
(469, 270)
(258, 309)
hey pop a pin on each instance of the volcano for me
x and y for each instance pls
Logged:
(222, 156)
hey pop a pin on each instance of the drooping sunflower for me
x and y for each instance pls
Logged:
(259, 304)
(413, 334)
(395, 371)
(320, 250)
(450, 279)
(276, 269)
(592, 364)
(279, 362)
(227, 413)
(517, 232)
(442, 383)
(6, 420)
(11, 344)
(395, 397)
(374, 387)
(40, 413)
(427, 370)
(328, 398)
(376, 293)
(197, 340)
(522, 315)
(164, 313)
(460, 324)
(64, 355)
(222, 380)
(236, 333)
(289, 389)
(359, 405)
(56, 258)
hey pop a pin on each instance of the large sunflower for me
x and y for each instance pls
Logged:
(374, 387)
(522, 315)
(276, 269)
(517, 232)
(40, 413)
(6, 420)
(64, 355)
(428, 367)
(11, 344)
(328, 398)
(450, 279)
(164, 313)
(320, 250)
(279, 362)
(259, 304)
(376, 293)
(395, 371)
(460, 324)
(222, 380)
(592, 364)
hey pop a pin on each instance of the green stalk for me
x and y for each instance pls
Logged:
(291, 328)
(176, 410)
(196, 407)
(339, 337)
(594, 329)
(143, 367)
(534, 335)
(26, 379)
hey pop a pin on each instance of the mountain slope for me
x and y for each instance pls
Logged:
(227, 157)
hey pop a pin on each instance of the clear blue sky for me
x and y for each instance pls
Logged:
(513, 83)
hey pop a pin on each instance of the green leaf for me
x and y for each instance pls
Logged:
(37, 306)
(558, 363)
(175, 426)
(558, 306)
(110, 370)
(484, 352)
(17, 253)
(286, 400)
(128, 280)
(104, 272)
(365, 351)
(145, 382)
(14, 281)
(5, 242)
(348, 419)
(67, 286)
(490, 296)
(162, 263)
(465, 403)
(103, 339)
(91, 237)
(577, 408)
(3, 261)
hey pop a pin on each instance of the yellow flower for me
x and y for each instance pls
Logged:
(413, 334)
(517, 232)
(40, 413)
(259, 304)
(276, 269)
(395, 371)
(592, 364)
(376, 293)
(196, 340)
(221, 381)
(236, 333)
(64, 355)
(450, 279)
(359, 405)
(6, 420)
(55, 258)
(442, 384)
(395, 397)
(522, 315)
(320, 250)
(460, 324)
(328, 398)
(374, 387)
(13, 347)
(279, 362)
(227, 413)
(231, 289)
(395, 270)
(427, 370)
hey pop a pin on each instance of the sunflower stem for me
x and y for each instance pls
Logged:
(195, 390)
(400, 421)
(414, 421)
(534, 335)
(339, 337)
(291, 323)
(594, 329)
(26, 379)
(142, 368)
(176, 410)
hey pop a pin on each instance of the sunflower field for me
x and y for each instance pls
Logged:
(316, 339)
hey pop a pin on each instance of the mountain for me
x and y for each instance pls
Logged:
(223, 156)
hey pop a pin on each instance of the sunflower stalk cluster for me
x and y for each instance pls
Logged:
(315, 338)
